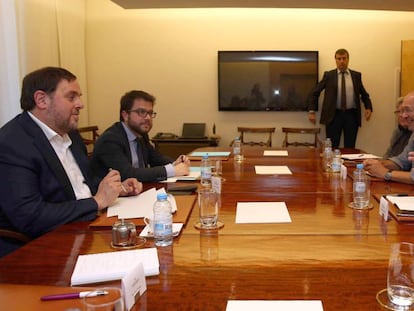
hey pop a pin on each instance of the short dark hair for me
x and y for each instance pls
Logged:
(127, 101)
(342, 52)
(45, 79)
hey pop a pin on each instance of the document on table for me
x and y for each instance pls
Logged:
(359, 156)
(271, 305)
(262, 212)
(272, 170)
(404, 203)
(275, 153)
(138, 206)
(109, 266)
(210, 153)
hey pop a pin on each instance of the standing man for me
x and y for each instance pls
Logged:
(341, 109)
(125, 146)
(45, 177)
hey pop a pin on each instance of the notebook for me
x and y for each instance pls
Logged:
(193, 131)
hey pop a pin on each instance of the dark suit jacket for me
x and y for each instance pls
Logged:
(36, 194)
(329, 83)
(112, 151)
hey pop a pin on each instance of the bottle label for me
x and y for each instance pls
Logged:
(360, 186)
(236, 150)
(162, 229)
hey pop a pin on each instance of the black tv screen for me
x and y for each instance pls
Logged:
(266, 80)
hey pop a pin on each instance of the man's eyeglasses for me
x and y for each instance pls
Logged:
(406, 110)
(143, 113)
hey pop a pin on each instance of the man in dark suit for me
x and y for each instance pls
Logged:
(45, 176)
(125, 146)
(341, 109)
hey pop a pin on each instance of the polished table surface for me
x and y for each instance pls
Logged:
(329, 252)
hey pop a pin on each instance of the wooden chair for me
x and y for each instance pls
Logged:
(296, 130)
(89, 135)
(256, 130)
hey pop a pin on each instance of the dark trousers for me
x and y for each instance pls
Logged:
(346, 121)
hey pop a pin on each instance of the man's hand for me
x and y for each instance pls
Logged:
(130, 187)
(312, 117)
(368, 113)
(181, 169)
(375, 168)
(108, 190)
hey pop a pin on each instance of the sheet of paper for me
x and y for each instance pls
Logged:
(210, 153)
(404, 203)
(262, 212)
(272, 170)
(275, 153)
(138, 206)
(145, 233)
(109, 266)
(359, 156)
(271, 305)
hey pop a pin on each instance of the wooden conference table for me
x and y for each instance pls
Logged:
(329, 252)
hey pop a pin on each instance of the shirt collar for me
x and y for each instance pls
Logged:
(50, 134)
(339, 71)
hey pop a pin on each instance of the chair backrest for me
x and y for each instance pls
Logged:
(89, 135)
(256, 130)
(297, 130)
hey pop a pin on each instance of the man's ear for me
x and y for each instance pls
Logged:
(41, 99)
(124, 115)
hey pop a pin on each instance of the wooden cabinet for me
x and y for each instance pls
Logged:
(407, 67)
(173, 147)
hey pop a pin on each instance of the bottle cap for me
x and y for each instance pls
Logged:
(205, 156)
(161, 196)
(360, 166)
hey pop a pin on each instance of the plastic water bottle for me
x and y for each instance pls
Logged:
(361, 189)
(163, 234)
(336, 162)
(327, 155)
(205, 171)
(237, 150)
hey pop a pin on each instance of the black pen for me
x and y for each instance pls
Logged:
(398, 194)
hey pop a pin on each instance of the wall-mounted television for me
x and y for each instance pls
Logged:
(266, 80)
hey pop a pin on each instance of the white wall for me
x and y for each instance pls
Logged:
(172, 53)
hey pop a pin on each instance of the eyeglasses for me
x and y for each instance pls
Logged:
(406, 110)
(143, 113)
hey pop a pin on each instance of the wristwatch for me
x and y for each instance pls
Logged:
(388, 176)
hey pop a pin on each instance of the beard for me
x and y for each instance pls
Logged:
(140, 128)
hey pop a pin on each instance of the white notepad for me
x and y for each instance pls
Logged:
(275, 153)
(262, 212)
(272, 170)
(110, 266)
(271, 305)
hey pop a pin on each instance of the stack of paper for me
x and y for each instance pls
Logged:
(275, 153)
(262, 212)
(138, 206)
(103, 267)
(404, 203)
(272, 170)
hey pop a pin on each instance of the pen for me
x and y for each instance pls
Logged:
(122, 186)
(74, 295)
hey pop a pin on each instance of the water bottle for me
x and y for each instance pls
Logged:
(361, 189)
(336, 162)
(327, 155)
(205, 171)
(237, 150)
(163, 234)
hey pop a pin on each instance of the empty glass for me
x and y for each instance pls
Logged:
(400, 284)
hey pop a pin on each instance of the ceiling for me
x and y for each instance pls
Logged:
(390, 5)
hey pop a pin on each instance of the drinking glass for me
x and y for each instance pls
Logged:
(113, 300)
(218, 169)
(400, 283)
(208, 208)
